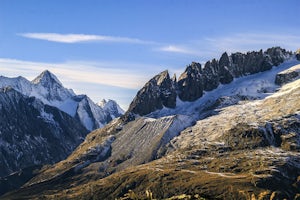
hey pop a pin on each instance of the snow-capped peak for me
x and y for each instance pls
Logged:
(49, 89)
(111, 107)
(46, 77)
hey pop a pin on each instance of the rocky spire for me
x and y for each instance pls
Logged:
(45, 78)
(190, 86)
(157, 93)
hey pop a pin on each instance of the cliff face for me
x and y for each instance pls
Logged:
(162, 91)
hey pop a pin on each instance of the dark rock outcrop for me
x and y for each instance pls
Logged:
(287, 75)
(190, 84)
(158, 92)
(210, 76)
(225, 76)
(277, 55)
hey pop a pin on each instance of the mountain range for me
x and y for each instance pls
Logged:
(42, 122)
(229, 129)
(47, 88)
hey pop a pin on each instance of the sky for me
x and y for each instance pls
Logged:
(111, 48)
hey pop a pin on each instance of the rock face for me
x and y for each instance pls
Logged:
(288, 75)
(33, 133)
(224, 74)
(210, 75)
(158, 92)
(190, 84)
(194, 81)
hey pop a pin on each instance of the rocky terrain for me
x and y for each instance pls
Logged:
(228, 130)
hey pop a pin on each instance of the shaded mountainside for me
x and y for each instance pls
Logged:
(240, 140)
(33, 133)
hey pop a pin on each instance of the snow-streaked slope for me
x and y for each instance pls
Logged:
(256, 86)
(146, 138)
(105, 151)
(257, 114)
(19, 83)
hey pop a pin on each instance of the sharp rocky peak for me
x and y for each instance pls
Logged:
(161, 77)
(45, 78)
(50, 88)
(160, 91)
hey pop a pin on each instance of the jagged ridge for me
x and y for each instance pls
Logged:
(194, 81)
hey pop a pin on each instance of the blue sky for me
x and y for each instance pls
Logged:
(110, 48)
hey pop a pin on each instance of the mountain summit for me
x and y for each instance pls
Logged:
(46, 78)
(51, 88)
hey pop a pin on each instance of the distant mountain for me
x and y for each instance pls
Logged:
(228, 130)
(111, 107)
(47, 88)
(42, 122)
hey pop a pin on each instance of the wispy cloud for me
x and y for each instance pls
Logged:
(78, 38)
(178, 49)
